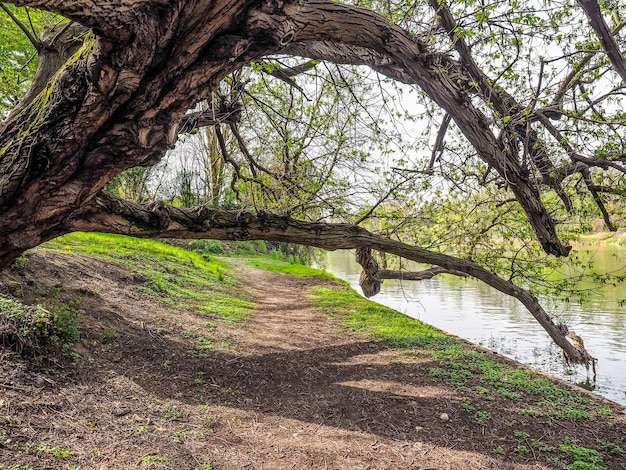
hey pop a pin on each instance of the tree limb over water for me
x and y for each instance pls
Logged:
(111, 215)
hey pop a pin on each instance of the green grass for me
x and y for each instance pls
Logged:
(471, 371)
(293, 269)
(360, 314)
(172, 275)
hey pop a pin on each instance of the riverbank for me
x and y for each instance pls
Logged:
(305, 375)
(482, 315)
(618, 237)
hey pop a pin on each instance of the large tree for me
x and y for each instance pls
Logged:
(527, 97)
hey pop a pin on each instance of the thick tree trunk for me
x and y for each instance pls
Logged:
(369, 281)
(115, 104)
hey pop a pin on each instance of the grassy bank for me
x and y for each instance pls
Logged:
(608, 238)
(183, 278)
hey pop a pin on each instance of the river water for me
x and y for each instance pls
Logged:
(484, 316)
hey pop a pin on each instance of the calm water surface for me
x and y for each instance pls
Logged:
(482, 315)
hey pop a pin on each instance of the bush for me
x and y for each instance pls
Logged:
(253, 247)
(65, 316)
(28, 330)
(207, 246)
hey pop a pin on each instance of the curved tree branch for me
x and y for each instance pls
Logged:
(112, 19)
(109, 214)
(121, 100)
(321, 25)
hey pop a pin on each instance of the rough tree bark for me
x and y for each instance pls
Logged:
(592, 9)
(372, 275)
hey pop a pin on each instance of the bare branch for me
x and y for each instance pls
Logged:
(33, 40)
(286, 74)
(439, 143)
(598, 200)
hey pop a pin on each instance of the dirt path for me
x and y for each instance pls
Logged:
(291, 389)
(285, 318)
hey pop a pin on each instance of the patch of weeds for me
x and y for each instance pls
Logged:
(556, 462)
(499, 450)
(482, 417)
(142, 430)
(204, 344)
(584, 458)
(467, 405)
(508, 394)
(41, 450)
(173, 415)
(456, 376)
(521, 450)
(151, 460)
(28, 330)
(11, 422)
(231, 391)
(528, 413)
(204, 467)
(574, 414)
(60, 453)
(604, 411)
(612, 449)
(542, 446)
(521, 434)
(108, 336)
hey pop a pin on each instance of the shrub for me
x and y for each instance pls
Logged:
(28, 330)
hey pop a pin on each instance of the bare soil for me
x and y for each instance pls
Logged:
(289, 389)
